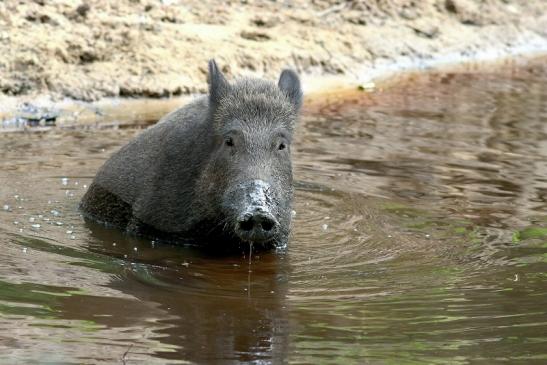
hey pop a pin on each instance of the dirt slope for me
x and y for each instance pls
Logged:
(99, 48)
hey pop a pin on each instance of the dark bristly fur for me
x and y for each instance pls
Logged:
(185, 177)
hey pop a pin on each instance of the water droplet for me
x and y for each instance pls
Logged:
(85, 186)
(31, 219)
(325, 226)
(135, 249)
(124, 256)
(185, 264)
(72, 237)
(326, 217)
(113, 243)
(16, 196)
(36, 226)
(6, 207)
(64, 180)
(68, 232)
(293, 213)
(427, 235)
(24, 250)
(40, 216)
(20, 230)
(55, 213)
(15, 222)
(59, 223)
(75, 183)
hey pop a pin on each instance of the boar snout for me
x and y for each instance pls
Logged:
(254, 220)
(257, 226)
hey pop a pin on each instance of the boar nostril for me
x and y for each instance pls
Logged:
(267, 224)
(247, 224)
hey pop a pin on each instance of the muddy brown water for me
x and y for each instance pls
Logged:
(420, 236)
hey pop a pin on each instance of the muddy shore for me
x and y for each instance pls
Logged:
(76, 58)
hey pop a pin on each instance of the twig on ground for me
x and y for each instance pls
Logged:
(332, 9)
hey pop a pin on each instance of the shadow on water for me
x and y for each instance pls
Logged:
(420, 236)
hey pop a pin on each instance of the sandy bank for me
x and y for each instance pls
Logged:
(58, 52)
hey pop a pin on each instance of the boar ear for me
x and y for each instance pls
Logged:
(290, 85)
(218, 86)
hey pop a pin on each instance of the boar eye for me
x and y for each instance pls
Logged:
(282, 146)
(229, 142)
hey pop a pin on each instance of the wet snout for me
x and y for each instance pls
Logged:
(258, 226)
(256, 223)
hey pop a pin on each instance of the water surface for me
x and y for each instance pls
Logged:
(420, 236)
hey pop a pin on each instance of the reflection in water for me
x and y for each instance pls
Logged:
(420, 236)
(223, 305)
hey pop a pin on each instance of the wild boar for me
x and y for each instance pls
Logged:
(215, 172)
